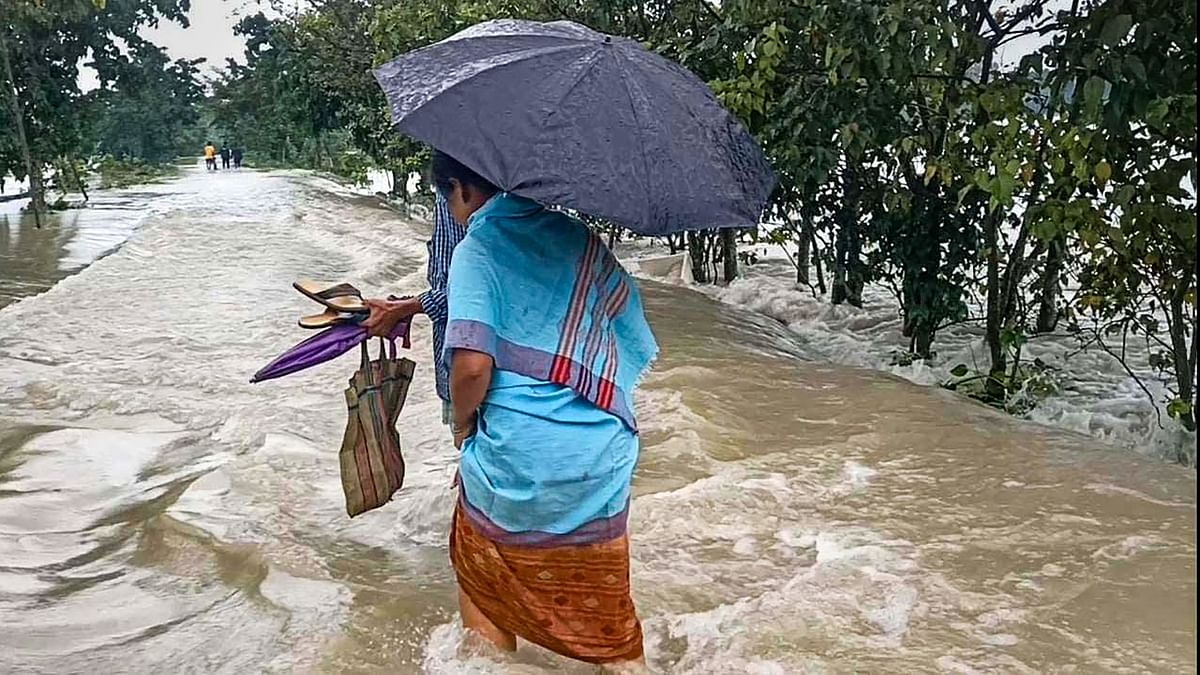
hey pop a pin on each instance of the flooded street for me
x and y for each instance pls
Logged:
(32, 260)
(160, 514)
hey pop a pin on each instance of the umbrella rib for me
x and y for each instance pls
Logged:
(641, 141)
(557, 106)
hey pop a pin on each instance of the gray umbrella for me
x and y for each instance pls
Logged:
(570, 117)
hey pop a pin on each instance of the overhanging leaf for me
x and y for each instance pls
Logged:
(1115, 29)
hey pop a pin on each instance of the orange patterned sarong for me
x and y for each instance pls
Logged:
(573, 600)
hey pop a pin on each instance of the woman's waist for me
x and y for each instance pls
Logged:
(535, 461)
(545, 516)
(515, 400)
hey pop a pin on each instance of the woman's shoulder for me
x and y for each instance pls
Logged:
(472, 251)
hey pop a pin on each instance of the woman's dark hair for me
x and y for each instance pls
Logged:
(444, 167)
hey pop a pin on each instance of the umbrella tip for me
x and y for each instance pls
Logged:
(607, 39)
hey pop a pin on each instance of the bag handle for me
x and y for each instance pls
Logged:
(365, 365)
(387, 350)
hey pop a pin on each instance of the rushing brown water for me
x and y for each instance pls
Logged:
(158, 514)
(33, 259)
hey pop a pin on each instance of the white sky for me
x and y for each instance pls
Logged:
(209, 35)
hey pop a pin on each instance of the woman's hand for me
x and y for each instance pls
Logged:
(463, 431)
(385, 314)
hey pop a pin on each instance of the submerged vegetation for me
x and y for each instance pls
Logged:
(116, 173)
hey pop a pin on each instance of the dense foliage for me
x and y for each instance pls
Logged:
(45, 116)
(147, 109)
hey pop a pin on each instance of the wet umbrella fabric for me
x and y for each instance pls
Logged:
(322, 347)
(571, 117)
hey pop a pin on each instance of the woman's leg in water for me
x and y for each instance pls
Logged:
(479, 626)
(480, 629)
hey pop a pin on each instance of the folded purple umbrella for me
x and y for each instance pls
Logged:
(328, 344)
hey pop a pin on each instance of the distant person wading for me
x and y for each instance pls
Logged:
(210, 156)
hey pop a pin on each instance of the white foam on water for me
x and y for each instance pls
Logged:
(95, 618)
(1127, 548)
(449, 652)
(1098, 397)
(769, 570)
(857, 476)
(1107, 488)
(316, 610)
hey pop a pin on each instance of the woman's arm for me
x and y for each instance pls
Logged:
(470, 377)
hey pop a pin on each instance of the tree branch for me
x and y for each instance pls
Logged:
(1134, 376)
(712, 11)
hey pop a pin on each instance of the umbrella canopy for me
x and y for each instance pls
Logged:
(571, 117)
(328, 344)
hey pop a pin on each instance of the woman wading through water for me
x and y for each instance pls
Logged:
(546, 333)
(548, 340)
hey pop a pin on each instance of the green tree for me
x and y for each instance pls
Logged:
(148, 107)
(1121, 166)
(43, 44)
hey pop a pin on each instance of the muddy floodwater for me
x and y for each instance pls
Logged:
(160, 514)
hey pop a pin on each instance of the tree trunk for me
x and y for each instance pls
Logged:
(37, 197)
(817, 267)
(1018, 262)
(679, 242)
(995, 304)
(1014, 273)
(840, 245)
(848, 276)
(803, 255)
(923, 341)
(37, 193)
(1183, 357)
(729, 253)
(920, 288)
(699, 256)
(847, 272)
(1048, 289)
(855, 271)
(399, 185)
